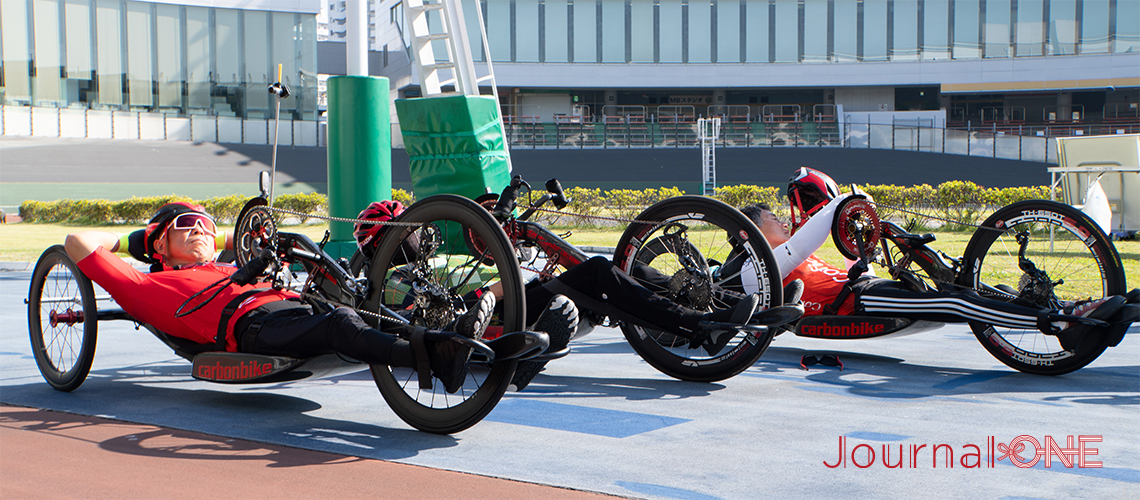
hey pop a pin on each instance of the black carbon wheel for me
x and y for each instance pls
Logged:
(1078, 261)
(706, 231)
(443, 268)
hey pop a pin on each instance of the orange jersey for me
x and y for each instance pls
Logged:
(822, 284)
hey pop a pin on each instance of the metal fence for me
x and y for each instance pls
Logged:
(631, 130)
(619, 127)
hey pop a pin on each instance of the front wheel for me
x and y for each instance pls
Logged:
(423, 271)
(63, 320)
(1066, 257)
(702, 254)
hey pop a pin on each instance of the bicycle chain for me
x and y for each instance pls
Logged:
(342, 219)
(599, 217)
(935, 217)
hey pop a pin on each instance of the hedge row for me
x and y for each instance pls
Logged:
(138, 210)
(956, 200)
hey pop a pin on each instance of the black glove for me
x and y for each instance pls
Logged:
(254, 268)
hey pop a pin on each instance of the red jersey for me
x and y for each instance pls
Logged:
(822, 284)
(154, 298)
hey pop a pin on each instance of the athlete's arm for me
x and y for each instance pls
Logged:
(807, 240)
(80, 245)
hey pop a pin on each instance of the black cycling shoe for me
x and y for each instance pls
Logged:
(449, 358)
(559, 320)
(794, 292)
(711, 337)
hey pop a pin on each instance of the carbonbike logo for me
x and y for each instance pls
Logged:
(243, 371)
(1023, 451)
(852, 330)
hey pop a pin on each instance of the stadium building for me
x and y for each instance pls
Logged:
(796, 72)
(175, 70)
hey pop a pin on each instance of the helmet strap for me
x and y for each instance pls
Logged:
(796, 222)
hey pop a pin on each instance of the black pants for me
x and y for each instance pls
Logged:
(596, 285)
(289, 328)
(883, 297)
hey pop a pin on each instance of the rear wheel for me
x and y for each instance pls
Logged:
(62, 320)
(425, 281)
(703, 254)
(1074, 260)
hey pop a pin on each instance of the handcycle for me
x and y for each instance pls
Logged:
(64, 312)
(1035, 253)
(668, 248)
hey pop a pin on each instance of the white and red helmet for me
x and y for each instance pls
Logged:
(368, 235)
(808, 191)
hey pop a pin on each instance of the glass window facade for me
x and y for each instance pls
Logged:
(156, 57)
(757, 33)
(807, 31)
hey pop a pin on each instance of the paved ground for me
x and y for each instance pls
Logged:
(599, 421)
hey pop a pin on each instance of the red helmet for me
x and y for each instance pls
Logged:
(368, 235)
(161, 220)
(808, 191)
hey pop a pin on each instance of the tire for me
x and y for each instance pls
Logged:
(1080, 254)
(434, 410)
(708, 222)
(63, 338)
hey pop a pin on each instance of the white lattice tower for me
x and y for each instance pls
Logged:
(708, 130)
(456, 66)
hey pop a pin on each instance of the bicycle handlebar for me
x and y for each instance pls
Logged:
(507, 200)
(555, 188)
(506, 203)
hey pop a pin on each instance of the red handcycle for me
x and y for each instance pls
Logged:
(64, 311)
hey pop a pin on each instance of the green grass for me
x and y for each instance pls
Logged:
(25, 242)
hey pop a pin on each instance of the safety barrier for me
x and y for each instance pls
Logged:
(113, 124)
(628, 127)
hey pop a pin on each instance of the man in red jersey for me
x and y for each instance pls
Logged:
(181, 240)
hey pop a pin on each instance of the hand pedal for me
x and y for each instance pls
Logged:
(519, 345)
(777, 316)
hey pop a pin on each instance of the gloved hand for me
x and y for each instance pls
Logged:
(254, 268)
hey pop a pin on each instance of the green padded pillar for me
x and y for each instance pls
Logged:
(360, 152)
(455, 145)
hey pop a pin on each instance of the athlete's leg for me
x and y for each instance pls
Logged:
(296, 332)
(880, 297)
(597, 285)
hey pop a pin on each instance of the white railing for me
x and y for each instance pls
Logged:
(135, 125)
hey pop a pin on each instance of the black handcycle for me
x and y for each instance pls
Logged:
(1036, 253)
(64, 311)
(668, 248)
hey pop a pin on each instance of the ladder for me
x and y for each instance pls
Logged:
(455, 65)
(708, 130)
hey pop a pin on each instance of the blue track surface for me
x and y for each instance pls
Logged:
(602, 420)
